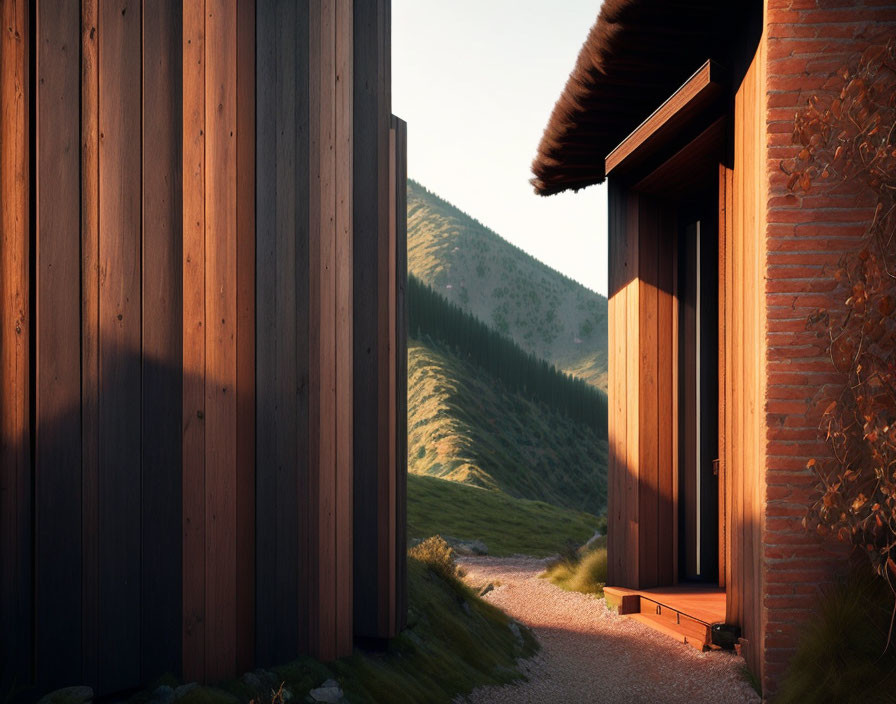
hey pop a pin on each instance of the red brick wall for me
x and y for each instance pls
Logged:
(807, 41)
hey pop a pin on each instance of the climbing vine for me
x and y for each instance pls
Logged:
(847, 143)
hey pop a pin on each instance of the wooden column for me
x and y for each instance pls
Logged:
(375, 350)
(15, 352)
(642, 476)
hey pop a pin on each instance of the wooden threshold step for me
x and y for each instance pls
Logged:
(663, 625)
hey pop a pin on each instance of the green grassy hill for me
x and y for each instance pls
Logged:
(507, 526)
(465, 426)
(543, 311)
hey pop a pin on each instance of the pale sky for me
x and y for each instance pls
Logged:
(476, 81)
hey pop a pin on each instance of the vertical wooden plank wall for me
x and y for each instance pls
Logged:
(620, 570)
(106, 240)
(304, 335)
(15, 344)
(219, 543)
(642, 427)
(744, 378)
(330, 256)
(120, 322)
(57, 460)
(150, 375)
(281, 347)
(162, 336)
(374, 343)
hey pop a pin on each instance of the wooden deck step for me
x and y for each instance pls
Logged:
(691, 628)
(684, 612)
(658, 623)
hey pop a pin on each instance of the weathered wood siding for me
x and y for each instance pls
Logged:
(376, 462)
(642, 429)
(304, 294)
(743, 384)
(16, 469)
(177, 314)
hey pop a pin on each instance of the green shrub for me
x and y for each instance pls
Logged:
(843, 654)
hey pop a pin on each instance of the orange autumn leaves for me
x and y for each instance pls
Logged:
(848, 146)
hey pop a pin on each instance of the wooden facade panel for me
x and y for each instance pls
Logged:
(281, 300)
(151, 377)
(57, 460)
(647, 356)
(162, 339)
(618, 570)
(90, 332)
(642, 497)
(194, 348)
(398, 593)
(220, 338)
(246, 333)
(120, 323)
(343, 150)
(15, 352)
(666, 384)
(743, 389)
(380, 334)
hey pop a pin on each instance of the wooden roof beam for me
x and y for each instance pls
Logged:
(685, 104)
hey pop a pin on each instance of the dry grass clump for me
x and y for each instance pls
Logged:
(438, 556)
(843, 655)
(585, 572)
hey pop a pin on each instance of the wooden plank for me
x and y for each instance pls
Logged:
(283, 331)
(401, 361)
(161, 576)
(688, 101)
(387, 529)
(632, 395)
(315, 382)
(647, 355)
(667, 517)
(325, 308)
(245, 324)
(220, 339)
(276, 497)
(120, 74)
(724, 210)
(305, 450)
(16, 588)
(90, 334)
(343, 269)
(57, 461)
(617, 465)
(194, 353)
(369, 173)
(676, 415)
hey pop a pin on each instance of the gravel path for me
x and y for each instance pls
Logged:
(591, 654)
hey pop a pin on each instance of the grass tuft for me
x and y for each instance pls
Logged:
(585, 573)
(843, 654)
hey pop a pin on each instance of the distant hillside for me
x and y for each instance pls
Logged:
(545, 312)
(432, 316)
(466, 426)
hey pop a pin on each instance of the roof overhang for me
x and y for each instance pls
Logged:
(636, 55)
